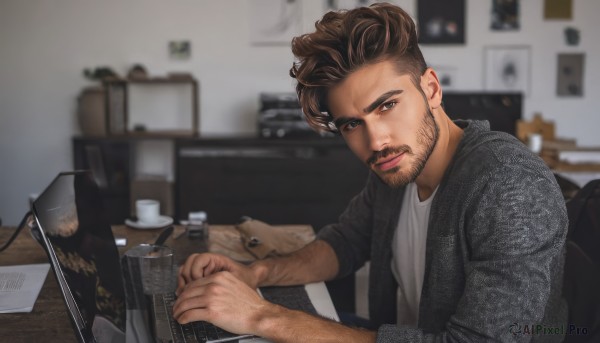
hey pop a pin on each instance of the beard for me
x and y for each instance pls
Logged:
(427, 137)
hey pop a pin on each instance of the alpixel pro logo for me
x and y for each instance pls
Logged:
(539, 329)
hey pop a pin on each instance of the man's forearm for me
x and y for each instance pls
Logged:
(315, 262)
(279, 324)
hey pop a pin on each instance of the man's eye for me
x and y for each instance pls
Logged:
(351, 125)
(388, 106)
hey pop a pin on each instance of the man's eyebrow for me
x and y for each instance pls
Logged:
(339, 122)
(381, 100)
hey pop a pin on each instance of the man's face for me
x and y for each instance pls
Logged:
(385, 120)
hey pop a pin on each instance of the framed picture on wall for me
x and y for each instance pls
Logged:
(558, 9)
(441, 22)
(505, 15)
(570, 74)
(507, 68)
(274, 22)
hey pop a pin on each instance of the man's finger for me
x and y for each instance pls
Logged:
(191, 315)
(184, 270)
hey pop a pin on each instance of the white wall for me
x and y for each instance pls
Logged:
(45, 44)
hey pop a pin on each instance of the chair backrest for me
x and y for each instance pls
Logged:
(584, 220)
(568, 188)
(582, 264)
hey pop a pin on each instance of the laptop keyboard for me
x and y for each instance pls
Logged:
(192, 332)
(293, 297)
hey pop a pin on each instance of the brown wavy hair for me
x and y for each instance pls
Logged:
(343, 42)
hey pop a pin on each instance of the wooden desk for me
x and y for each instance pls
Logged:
(49, 321)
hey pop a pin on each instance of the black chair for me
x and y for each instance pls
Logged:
(581, 287)
(568, 188)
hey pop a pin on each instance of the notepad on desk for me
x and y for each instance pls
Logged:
(20, 286)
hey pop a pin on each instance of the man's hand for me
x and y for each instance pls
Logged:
(222, 299)
(199, 266)
(218, 290)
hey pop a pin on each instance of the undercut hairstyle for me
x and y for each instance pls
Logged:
(345, 41)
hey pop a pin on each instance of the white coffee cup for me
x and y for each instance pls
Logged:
(147, 211)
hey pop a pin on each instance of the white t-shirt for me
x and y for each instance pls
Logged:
(408, 247)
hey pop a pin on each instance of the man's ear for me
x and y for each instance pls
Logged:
(432, 88)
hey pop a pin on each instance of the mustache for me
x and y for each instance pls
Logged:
(377, 155)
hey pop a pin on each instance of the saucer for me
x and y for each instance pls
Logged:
(160, 223)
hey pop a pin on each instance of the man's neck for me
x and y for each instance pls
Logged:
(441, 156)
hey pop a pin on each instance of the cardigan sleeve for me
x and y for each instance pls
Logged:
(350, 237)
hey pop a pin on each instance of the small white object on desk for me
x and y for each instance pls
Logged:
(20, 286)
(197, 225)
(147, 211)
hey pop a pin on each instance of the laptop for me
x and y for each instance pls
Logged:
(103, 305)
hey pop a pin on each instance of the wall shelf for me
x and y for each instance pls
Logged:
(117, 103)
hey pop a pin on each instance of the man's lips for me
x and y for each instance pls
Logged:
(389, 163)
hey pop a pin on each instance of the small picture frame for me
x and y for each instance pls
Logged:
(558, 9)
(507, 68)
(274, 22)
(570, 73)
(180, 50)
(441, 22)
(505, 15)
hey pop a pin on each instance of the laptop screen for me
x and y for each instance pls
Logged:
(81, 247)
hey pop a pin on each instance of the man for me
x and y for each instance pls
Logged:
(464, 227)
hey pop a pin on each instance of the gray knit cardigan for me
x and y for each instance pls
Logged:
(494, 251)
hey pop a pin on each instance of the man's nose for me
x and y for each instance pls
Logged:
(378, 136)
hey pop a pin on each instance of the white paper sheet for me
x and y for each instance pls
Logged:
(20, 286)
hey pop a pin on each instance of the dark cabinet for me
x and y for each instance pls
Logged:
(280, 182)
